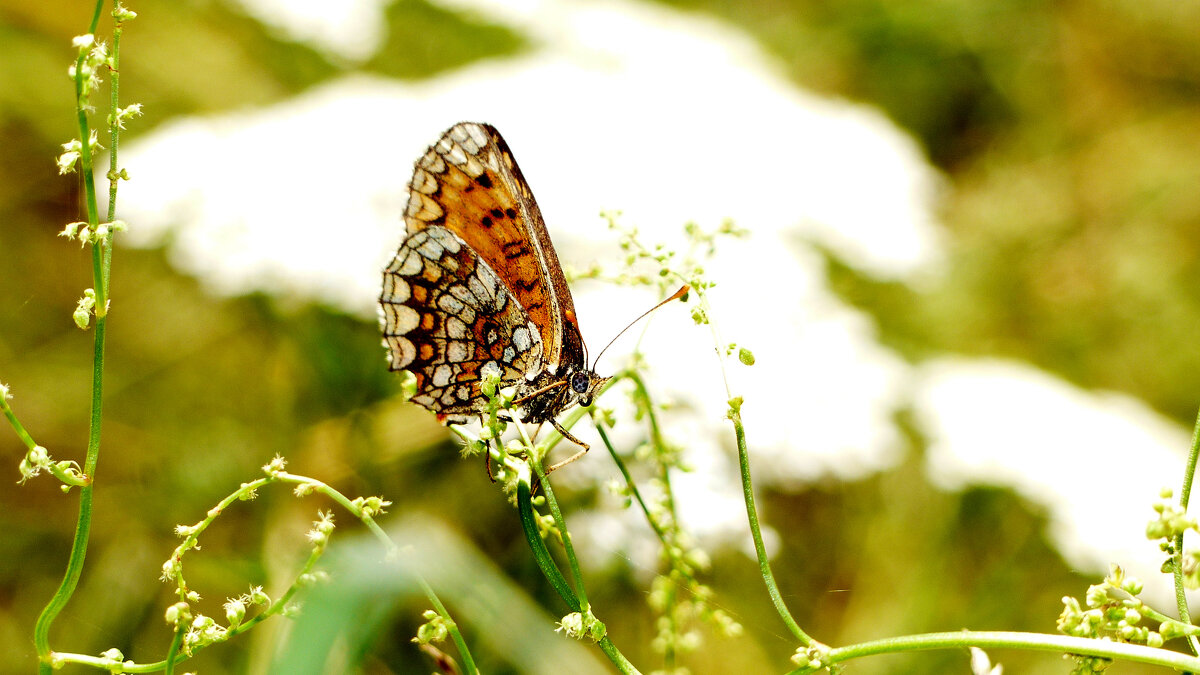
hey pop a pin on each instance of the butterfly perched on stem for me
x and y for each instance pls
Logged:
(476, 289)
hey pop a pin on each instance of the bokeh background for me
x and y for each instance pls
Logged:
(972, 284)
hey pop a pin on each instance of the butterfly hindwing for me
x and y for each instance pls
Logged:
(449, 320)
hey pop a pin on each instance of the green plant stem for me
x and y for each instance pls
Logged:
(114, 140)
(656, 438)
(16, 424)
(1014, 640)
(114, 128)
(1177, 556)
(279, 604)
(764, 564)
(41, 631)
(637, 494)
(568, 547)
(671, 550)
(541, 555)
(452, 628)
(173, 651)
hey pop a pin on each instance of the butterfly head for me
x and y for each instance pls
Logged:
(584, 385)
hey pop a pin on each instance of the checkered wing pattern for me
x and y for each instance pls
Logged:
(449, 320)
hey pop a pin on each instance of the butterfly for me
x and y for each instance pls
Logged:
(476, 289)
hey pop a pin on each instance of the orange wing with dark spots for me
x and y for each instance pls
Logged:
(469, 183)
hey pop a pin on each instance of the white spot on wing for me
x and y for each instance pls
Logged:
(479, 290)
(462, 293)
(431, 250)
(401, 351)
(441, 375)
(400, 319)
(477, 134)
(395, 289)
(456, 156)
(521, 339)
(446, 238)
(457, 352)
(450, 304)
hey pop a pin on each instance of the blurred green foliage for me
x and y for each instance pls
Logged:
(1067, 134)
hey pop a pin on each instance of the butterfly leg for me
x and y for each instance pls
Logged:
(487, 463)
(567, 435)
(487, 455)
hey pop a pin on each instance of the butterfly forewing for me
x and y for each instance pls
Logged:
(469, 183)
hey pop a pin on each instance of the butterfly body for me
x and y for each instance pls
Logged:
(476, 288)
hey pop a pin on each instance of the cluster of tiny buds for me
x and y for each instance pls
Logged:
(578, 626)
(435, 628)
(1172, 520)
(318, 536)
(370, 507)
(1113, 616)
(745, 356)
(276, 466)
(811, 658)
(115, 660)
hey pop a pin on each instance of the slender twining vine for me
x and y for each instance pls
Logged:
(92, 61)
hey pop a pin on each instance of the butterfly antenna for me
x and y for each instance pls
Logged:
(675, 296)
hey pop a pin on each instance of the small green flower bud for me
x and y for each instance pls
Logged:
(258, 597)
(235, 611)
(276, 465)
(735, 405)
(39, 456)
(120, 13)
(433, 631)
(1169, 630)
(82, 318)
(178, 612)
(596, 630)
(71, 230)
(66, 161)
(746, 356)
(1116, 574)
(571, 625)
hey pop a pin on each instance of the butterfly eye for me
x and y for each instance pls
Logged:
(580, 382)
